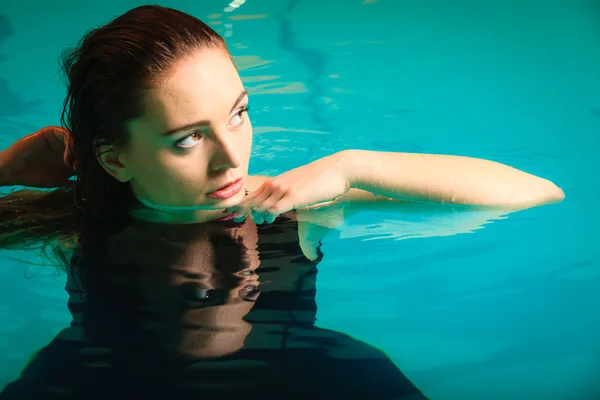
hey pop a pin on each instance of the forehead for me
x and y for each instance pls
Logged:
(203, 86)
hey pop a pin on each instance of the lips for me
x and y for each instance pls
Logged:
(228, 190)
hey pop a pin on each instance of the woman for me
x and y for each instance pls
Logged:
(156, 131)
(157, 127)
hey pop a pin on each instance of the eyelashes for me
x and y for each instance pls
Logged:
(193, 138)
(185, 143)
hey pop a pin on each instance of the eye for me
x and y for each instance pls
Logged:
(238, 118)
(189, 141)
(203, 294)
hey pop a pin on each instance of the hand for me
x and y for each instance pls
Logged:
(41, 159)
(318, 182)
(68, 157)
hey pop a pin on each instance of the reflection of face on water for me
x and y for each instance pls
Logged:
(187, 288)
(177, 310)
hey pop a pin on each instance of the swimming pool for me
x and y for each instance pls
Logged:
(468, 305)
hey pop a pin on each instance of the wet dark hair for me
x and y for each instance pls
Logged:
(107, 74)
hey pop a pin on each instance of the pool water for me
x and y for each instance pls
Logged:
(467, 305)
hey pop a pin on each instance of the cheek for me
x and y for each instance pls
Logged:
(146, 163)
(181, 173)
(164, 173)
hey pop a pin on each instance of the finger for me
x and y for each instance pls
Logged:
(257, 217)
(270, 218)
(258, 192)
(268, 203)
(240, 211)
(240, 214)
(284, 204)
(240, 219)
(65, 136)
(267, 189)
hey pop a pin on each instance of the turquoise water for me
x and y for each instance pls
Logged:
(469, 306)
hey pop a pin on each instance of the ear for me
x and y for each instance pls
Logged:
(109, 158)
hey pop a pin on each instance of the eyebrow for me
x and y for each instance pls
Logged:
(203, 122)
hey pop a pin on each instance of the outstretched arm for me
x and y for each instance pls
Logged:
(357, 175)
(37, 160)
(447, 179)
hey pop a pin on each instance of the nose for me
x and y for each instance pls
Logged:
(225, 154)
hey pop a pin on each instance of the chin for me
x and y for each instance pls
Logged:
(236, 199)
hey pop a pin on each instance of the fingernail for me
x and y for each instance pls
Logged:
(258, 218)
(239, 213)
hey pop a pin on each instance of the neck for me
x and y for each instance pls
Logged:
(152, 212)
(175, 209)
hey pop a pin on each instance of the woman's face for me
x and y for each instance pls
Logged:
(195, 137)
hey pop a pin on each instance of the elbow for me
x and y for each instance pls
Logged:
(555, 194)
(542, 192)
(548, 193)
